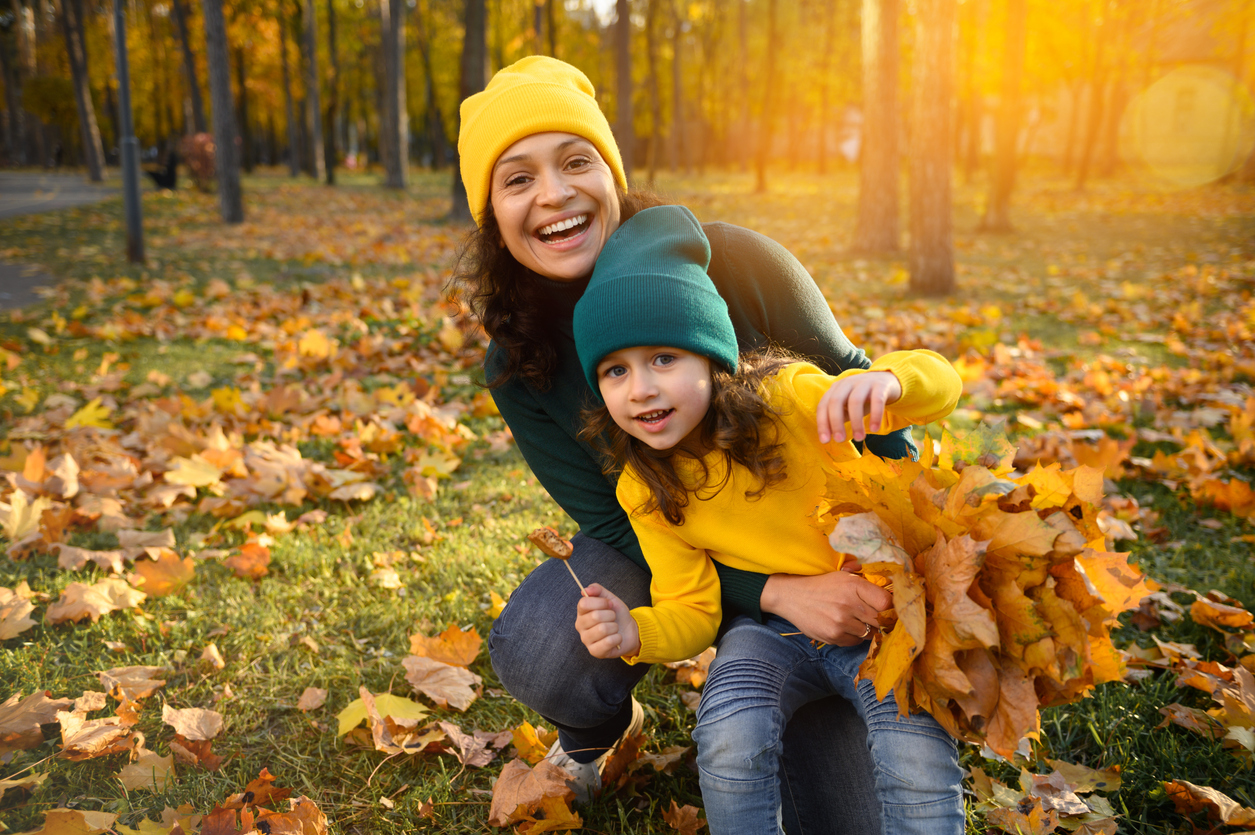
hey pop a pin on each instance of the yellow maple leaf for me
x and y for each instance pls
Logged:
(193, 472)
(92, 414)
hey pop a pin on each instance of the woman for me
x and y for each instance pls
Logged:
(545, 182)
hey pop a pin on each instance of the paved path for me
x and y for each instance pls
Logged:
(24, 193)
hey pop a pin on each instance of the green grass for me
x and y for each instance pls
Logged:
(320, 587)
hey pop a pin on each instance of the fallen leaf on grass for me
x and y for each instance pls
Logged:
(683, 819)
(150, 771)
(259, 791)
(74, 822)
(20, 719)
(193, 723)
(132, 683)
(212, 657)
(393, 735)
(1189, 798)
(397, 707)
(453, 646)
(198, 753)
(554, 815)
(84, 739)
(164, 573)
(26, 783)
(528, 745)
(251, 563)
(304, 818)
(444, 684)
(15, 606)
(694, 670)
(312, 699)
(72, 558)
(520, 790)
(80, 600)
(664, 762)
(1029, 818)
(1220, 615)
(473, 750)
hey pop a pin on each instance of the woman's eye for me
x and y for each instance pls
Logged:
(516, 179)
(578, 162)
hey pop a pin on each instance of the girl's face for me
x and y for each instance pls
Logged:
(655, 394)
(555, 203)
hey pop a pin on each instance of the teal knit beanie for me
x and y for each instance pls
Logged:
(650, 287)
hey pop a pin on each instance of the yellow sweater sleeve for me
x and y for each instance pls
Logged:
(930, 387)
(686, 611)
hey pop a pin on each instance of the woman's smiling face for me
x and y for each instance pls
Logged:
(555, 203)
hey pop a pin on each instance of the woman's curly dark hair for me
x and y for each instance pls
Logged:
(740, 424)
(508, 298)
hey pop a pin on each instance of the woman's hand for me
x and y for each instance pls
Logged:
(836, 608)
(605, 624)
(851, 398)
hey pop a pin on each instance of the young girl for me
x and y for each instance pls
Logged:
(722, 460)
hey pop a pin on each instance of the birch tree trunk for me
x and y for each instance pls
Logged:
(998, 210)
(876, 228)
(76, 51)
(931, 256)
(189, 67)
(226, 153)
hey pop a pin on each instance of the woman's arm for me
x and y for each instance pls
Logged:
(567, 469)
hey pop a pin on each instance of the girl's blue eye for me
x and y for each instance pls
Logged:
(614, 371)
(664, 359)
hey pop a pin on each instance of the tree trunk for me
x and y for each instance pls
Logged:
(876, 229)
(679, 156)
(189, 67)
(770, 95)
(71, 26)
(1097, 103)
(333, 96)
(655, 95)
(624, 127)
(313, 114)
(972, 113)
(474, 79)
(551, 28)
(396, 120)
(932, 233)
(538, 27)
(744, 125)
(226, 152)
(998, 210)
(294, 163)
(246, 134)
(15, 135)
(825, 88)
(434, 122)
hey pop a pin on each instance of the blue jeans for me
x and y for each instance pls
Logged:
(824, 777)
(752, 692)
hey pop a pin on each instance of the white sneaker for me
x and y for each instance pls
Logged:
(586, 777)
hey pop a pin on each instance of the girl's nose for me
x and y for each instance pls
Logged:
(643, 386)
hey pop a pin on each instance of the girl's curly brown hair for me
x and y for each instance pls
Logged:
(508, 298)
(739, 424)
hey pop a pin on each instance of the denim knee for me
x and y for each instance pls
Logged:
(741, 748)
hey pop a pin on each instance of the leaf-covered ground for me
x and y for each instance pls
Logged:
(259, 469)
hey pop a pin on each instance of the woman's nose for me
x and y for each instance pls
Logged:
(555, 190)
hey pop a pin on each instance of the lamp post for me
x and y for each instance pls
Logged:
(129, 145)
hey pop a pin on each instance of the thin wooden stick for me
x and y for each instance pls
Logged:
(577, 579)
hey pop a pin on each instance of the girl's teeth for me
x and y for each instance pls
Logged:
(563, 225)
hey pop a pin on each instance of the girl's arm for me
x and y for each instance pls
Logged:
(900, 389)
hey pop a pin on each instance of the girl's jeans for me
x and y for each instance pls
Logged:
(760, 677)
(824, 776)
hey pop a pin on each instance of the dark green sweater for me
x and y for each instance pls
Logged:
(771, 300)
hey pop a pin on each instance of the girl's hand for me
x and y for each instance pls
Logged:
(836, 608)
(605, 624)
(850, 399)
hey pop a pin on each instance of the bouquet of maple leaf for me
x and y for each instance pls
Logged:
(1004, 592)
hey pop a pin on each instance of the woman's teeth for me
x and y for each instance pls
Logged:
(562, 225)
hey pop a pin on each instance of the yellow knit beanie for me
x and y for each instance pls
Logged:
(537, 94)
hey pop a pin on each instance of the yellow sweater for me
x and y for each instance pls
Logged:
(769, 534)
